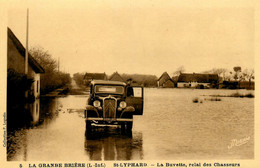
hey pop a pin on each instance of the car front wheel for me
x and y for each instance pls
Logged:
(88, 126)
(129, 126)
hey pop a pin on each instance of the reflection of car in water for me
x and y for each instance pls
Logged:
(113, 103)
(109, 144)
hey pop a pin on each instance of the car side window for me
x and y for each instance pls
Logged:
(134, 92)
(130, 91)
(137, 91)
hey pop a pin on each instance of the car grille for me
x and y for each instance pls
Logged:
(109, 108)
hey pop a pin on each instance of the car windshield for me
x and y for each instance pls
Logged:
(109, 89)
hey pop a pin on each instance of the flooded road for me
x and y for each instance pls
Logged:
(172, 127)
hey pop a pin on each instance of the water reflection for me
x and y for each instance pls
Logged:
(49, 110)
(22, 117)
(32, 114)
(34, 109)
(110, 144)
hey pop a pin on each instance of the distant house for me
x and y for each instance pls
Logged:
(195, 80)
(116, 77)
(88, 77)
(165, 81)
(16, 63)
(141, 79)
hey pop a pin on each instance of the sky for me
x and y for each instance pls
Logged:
(144, 37)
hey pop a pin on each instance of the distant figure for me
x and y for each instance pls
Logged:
(130, 91)
(129, 81)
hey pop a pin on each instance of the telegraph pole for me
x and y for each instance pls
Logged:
(27, 36)
(26, 52)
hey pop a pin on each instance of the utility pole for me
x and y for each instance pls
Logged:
(26, 52)
(27, 36)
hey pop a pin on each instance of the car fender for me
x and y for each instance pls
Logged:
(92, 110)
(127, 110)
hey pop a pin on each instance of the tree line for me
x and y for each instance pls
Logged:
(52, 78)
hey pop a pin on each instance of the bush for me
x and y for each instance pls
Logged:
(249, 95)
(195, 100)
(214, 99)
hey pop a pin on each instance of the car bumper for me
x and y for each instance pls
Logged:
(110, 119)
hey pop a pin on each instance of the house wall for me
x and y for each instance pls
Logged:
(182, 84)
(191, 84)
(162, 80)
(168, 84)
(17, 62)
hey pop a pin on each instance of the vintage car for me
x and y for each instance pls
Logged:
(113, 103)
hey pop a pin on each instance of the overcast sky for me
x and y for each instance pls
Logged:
(134, 37)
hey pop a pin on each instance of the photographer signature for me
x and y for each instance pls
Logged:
(238, 142)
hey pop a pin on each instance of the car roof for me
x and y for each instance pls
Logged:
(107, 82)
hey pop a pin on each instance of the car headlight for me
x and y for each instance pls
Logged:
(96, 103)
(122, 104)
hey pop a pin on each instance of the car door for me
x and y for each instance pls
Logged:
(134, 97)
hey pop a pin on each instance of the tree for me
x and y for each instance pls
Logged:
(44, 58)
(78, 77)
(249, 74)
(223, 71)
(237, 74)
(179, 70)
(220, 71)
(228, 76)
(51, 79)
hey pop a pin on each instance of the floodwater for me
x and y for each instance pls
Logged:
(172, 127)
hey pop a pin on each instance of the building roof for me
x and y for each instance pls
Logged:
(107, 82)
(32, 62)
(195, 77)
(167, 78)
(100, 76)
(116, 77)
(165, 74)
